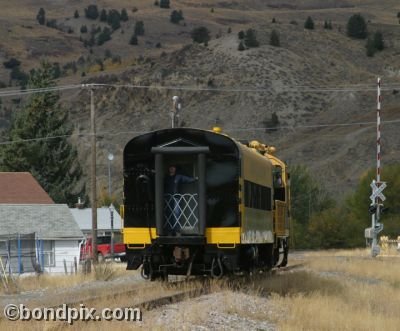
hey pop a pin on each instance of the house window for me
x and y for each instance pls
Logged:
(49, 253)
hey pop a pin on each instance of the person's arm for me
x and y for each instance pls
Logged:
(186, 179)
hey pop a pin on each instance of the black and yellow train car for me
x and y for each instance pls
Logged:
(231, 214)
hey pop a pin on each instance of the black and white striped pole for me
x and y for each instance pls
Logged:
(377, 186)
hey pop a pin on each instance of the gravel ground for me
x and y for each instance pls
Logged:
(217, 311)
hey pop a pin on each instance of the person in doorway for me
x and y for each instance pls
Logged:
(174, 180)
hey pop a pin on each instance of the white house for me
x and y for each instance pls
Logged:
(38, 237)
(83, 217)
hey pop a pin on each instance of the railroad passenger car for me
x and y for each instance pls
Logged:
(232, 215)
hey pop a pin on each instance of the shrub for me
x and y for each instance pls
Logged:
(309, 23)
(241, 47)
(176, 16)
(20, 76)
(11, 63)
(356, 27)
(83, 29)
(164, 3)
(274, 39)
(76, 14)
(241, 35)
(133, 40)
(52, 23)
(200, 35)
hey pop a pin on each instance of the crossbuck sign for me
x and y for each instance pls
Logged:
(377, 191)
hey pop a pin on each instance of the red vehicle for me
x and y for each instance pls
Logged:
(103, 249)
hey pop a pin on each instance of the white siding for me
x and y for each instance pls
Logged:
(64, 250)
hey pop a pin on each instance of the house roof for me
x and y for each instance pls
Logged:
(21, 188)
(84, 218)
(50, 221)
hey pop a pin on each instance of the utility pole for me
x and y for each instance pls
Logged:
(176, 108)
(93, 175)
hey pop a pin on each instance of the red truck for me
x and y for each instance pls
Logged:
(103, 249)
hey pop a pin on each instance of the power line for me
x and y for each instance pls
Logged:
(293, 88)
(10, 93)
(311, 126)
(115, 133)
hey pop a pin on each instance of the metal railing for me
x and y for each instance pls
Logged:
(181, 211)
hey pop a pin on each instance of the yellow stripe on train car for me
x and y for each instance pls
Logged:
(223, 235)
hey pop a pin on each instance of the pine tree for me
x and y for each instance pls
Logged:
(92, 12)
(241, 46)
(52, 160)
(309, 23)
(76, 14)
(124, 15)
(378, 41)
(41, 16)
(356, 27)
(139, 28)
(103, 15)
(274, 39)
(114, 19)
(370, 47)
(241, 34)
(104, 36)
(250, 39)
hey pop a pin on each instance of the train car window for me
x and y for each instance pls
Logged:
(257, 196)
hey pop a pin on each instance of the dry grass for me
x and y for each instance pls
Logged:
(338, 290)
(105, 272)
(358, 264)
(368, 298)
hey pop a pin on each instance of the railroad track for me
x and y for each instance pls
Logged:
(179, 290)
(207, 287)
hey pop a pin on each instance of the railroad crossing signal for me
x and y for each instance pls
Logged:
(377, 191)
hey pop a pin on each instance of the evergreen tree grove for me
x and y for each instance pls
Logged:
(53, 160)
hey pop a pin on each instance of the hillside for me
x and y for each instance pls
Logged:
(303, 81)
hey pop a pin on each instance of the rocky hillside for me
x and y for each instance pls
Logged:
(318, 82)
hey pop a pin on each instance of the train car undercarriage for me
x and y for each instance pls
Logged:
(159, 261)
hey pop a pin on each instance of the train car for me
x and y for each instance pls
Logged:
(198, 202)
